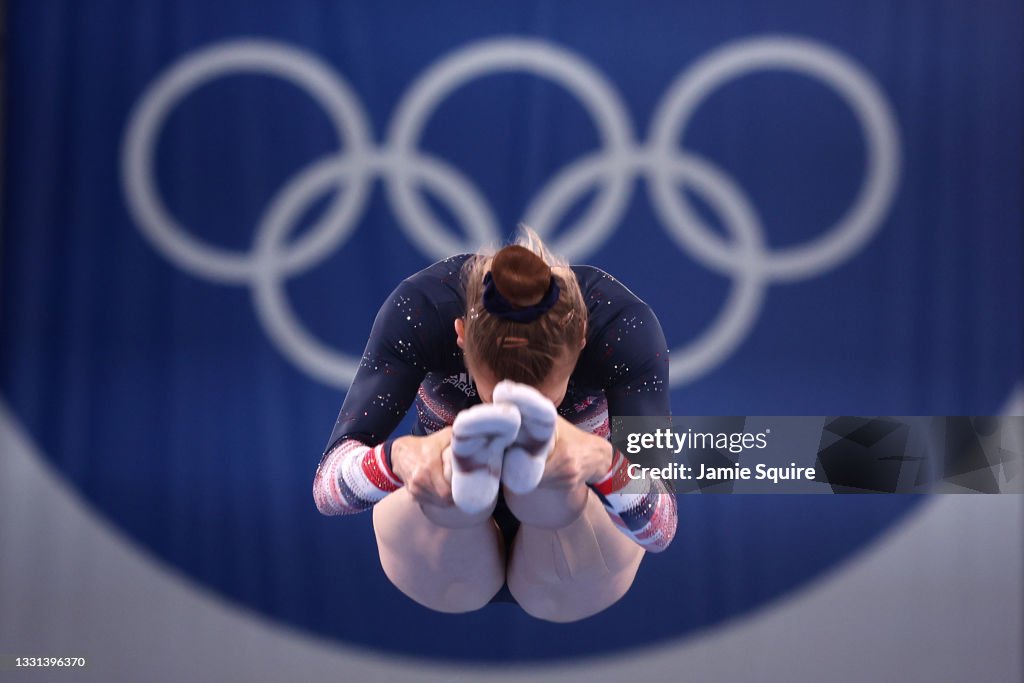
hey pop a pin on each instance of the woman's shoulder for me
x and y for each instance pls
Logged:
(606, 296)
(624, 335)
(416, 320)
(444, 275)
(439, 285)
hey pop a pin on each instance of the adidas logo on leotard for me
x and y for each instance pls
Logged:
(462, 382)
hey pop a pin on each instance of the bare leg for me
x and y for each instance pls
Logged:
(569, 561)
(440, 557)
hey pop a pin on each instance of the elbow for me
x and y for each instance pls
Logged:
(663, 543)
(667, 524)
(321, 497)
(660, 543)
(324, 509)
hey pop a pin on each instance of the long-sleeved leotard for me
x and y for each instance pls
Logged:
(412, 356)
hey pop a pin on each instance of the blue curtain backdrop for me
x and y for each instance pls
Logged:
(205, 203)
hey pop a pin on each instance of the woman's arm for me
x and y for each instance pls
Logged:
(636, 384)
(356, 470)
(352, 477)
(643, 509)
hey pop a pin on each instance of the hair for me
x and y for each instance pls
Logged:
(523, 272)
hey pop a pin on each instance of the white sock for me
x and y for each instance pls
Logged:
(526, 457)
(480, 436)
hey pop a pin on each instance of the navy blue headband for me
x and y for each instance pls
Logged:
(498, 305)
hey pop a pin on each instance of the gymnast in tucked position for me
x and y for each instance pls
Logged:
(508, 489)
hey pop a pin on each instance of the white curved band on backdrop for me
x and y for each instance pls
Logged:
(406, 170)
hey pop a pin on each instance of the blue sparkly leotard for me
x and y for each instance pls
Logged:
(412, 356)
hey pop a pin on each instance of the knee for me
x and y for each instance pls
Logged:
(464, 596)
(544, 604)
(567, 601)
(452, 596)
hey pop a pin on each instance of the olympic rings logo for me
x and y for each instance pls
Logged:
(612, 170)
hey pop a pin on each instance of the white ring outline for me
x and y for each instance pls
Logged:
(194, 70)
(269, 298)
(593, 91)
(811, 59)
(740, 310)
(725, 332)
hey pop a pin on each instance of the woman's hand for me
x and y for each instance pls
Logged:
(417, 461)
(578, 458)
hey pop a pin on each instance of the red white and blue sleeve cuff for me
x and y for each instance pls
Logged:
(643, 509)
(352, 477)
